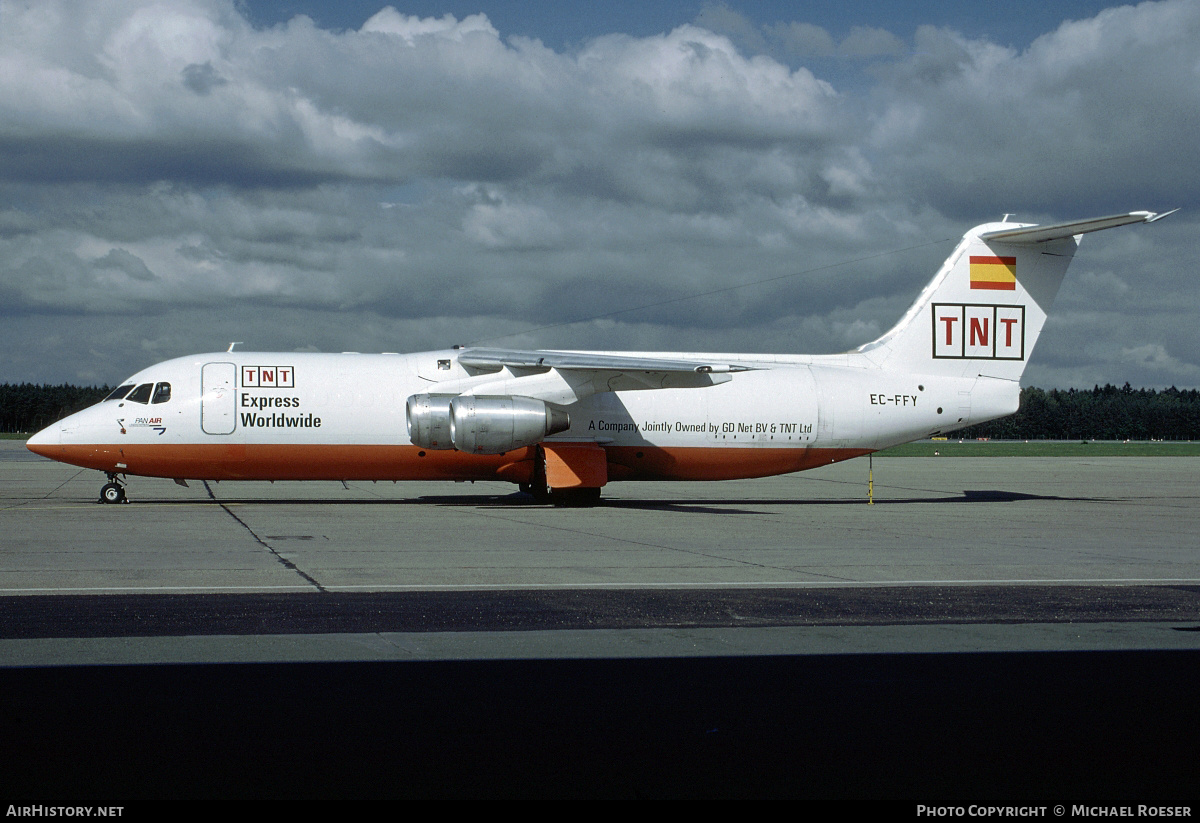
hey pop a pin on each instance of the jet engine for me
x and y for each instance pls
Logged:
(481, 425)
(494, 425)
(428, 417)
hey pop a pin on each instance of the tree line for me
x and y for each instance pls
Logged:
(1101, 413)
(27, 408)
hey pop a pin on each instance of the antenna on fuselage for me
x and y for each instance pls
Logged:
(231, 345)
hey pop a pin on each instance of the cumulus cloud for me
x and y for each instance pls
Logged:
(1095, 111)
(128, 264)
(867, 41)
(173, 176)
(802, 40)
(1156, 356)
(788, 39)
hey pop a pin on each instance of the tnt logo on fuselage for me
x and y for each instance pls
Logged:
(978, 332)
(268, 377)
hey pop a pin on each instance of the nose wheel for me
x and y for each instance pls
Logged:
(112, 491)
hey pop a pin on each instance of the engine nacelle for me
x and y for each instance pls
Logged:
(494, 425)
(428, 417)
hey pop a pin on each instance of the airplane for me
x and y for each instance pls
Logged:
(562, 424)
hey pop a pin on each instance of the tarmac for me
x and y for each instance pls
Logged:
(1115, 537)
(788, 612)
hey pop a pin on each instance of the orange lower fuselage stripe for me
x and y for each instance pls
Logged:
(386, 462)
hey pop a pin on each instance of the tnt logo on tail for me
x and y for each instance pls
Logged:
(978, 332)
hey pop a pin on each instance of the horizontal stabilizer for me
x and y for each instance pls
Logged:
(1059, 231)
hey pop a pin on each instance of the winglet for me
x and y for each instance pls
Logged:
(1030, 235)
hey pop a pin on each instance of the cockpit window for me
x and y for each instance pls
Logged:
(141, 394)
(119, 392)
(162, 393)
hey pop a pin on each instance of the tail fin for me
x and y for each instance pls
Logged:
(982, 313)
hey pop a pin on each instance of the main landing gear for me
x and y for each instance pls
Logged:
(112, 491)
(572, 498)
(577, 497)
(563, 498)
(538, 491)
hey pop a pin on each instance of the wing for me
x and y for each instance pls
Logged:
(566, 377)
(480, 358)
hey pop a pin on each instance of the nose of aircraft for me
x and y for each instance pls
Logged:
(44, 441)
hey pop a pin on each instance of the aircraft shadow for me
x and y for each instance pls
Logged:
(968, 496)
(711, 505)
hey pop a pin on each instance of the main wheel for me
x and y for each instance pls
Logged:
(112, 493)
(577, 498)
(539, 492)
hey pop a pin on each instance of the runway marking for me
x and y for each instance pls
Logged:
(61, 589)
(515, 586)
(786, 584)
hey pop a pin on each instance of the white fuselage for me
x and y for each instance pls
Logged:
(248, 415)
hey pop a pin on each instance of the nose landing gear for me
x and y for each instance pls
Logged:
(112, 491)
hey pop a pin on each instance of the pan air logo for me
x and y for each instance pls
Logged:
(971, 331)
(993, 273)
(268, 377)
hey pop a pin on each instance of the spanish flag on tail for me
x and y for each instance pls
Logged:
(995, 273)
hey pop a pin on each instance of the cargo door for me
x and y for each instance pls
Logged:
(218, 399)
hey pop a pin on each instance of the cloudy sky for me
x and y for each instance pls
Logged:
(739, 176)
